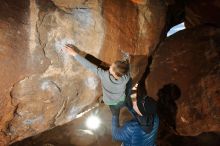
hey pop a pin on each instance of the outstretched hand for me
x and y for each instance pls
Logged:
(70, 49)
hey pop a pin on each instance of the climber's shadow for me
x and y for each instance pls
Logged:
(167, 107)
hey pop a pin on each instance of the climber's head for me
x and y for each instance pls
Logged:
(119, 68)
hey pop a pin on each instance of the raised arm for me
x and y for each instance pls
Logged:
(71, 50)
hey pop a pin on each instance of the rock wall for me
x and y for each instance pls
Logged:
(184, 74)
(14, 42)
(55, 96)
(41, 86)
(200, 12)
(133, 28)
(185, 77)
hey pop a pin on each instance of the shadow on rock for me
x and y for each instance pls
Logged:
(167, 107)
(204, 139)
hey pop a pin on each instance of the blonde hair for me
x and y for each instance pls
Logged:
(121, 67)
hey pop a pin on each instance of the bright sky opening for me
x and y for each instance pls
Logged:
(175, 29)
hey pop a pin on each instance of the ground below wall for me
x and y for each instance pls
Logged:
(76, 133)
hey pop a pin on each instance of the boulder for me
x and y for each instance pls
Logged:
(131, 28)
(199, 12)
(15, 60)
(41, 86)
(184, 78)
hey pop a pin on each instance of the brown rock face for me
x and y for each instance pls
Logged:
(39, 84)
(13, 40)
(185, 74)
(131, 28)
(41, 87)
(200, 12)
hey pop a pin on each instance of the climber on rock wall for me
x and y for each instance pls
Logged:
(116, 81)
(142, 129)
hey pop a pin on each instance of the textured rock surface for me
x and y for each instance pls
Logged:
(202, 12)
(41, 87)
(46, 86)
(14, 56)
(132, 28)
(191, 61)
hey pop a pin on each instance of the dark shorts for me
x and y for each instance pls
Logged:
(115, 109)
(126, 103)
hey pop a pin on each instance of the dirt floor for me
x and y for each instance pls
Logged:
(76, 133)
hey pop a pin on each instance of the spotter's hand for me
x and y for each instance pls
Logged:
(70, 49)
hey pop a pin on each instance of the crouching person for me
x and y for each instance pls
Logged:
(142, 129)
